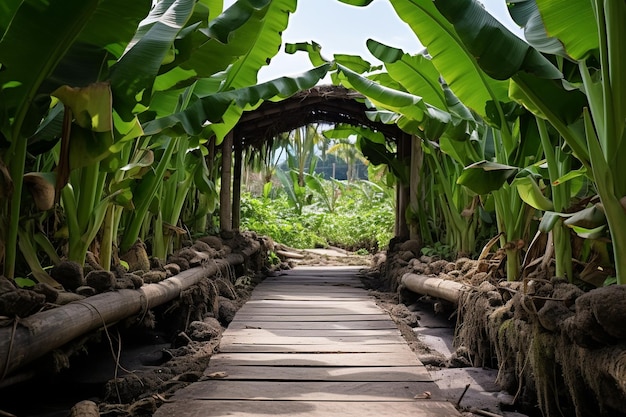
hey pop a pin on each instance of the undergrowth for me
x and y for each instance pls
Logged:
(356, 223)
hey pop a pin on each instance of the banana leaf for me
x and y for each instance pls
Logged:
(132, 76)
(454, 61)
(484, 176)
(567, 20)
(416, 74)
(212, 108)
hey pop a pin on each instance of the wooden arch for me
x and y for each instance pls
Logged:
(330, 104)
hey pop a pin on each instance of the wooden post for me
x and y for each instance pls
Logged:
(237, 185)
(415, 186)
(225, 196)
(402, 190)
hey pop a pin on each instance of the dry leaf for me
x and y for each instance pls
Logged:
(423, 396)
(217, 375)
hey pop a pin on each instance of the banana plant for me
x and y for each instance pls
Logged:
(604, 87)
(41, 43)
(480, 83)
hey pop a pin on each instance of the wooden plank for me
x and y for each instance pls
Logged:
(313, 317)
(337, 333)
(302, 296)
(202, 408)
(276, 311)
(367, 302)
(308, 287)
(233, 347)
(316, 359)
(313, 284)
(349, 341)
(307, 390)
(313, 325)
(294, 373)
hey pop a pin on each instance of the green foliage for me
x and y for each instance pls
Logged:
(316, 227)
(273, 259)
(439, 250)
(24, 282)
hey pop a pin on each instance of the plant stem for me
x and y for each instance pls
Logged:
(17, 166)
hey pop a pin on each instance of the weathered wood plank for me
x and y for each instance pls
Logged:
(309, 297)
(202, 408)
(234, 347)
(313, 317)
(349, 341)
(307, 390)
(313, 325)
(321, 333)
(329, 311)
(294, 373)
(316, 359)
(307, 303)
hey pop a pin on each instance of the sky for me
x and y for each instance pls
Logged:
(344, 29)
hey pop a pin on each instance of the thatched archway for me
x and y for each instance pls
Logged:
(328, 104)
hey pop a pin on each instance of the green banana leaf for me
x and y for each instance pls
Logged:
(313, 49)
(343, 131)
(244, 71)
(484, 177)
(132, 76)
(229, 36)
(212, 108)
(529, 191)
(35, 41)
(454, 61)
(407, 104)
(526, 14)
(416, 74)
(578, 31)
(498, 51)
(357, 2)
(266, 45)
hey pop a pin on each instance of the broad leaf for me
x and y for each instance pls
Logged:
(356, 2)
(39, 35)
(573, 22)
(400, 102)
(416, 74)
(498, 51)
(230, 36)
(529, 191)
(266, 45)
(313, 49)
(212, 108)
(133, 75)
(454, 61)
(484, 177)
(526, 14)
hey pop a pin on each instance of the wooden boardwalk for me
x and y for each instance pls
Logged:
(311, 342)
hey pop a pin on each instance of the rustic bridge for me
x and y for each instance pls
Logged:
(311, 342)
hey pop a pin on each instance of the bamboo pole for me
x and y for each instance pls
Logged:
(225, 189)
(435, 287)
(36, 335)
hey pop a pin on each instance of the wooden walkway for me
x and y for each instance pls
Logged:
(311, 342)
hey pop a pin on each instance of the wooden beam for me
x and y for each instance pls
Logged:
(403, 190)
(225, 195)
(415, 186)
(236, 214)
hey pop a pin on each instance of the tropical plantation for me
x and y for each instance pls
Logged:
(151, 186)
